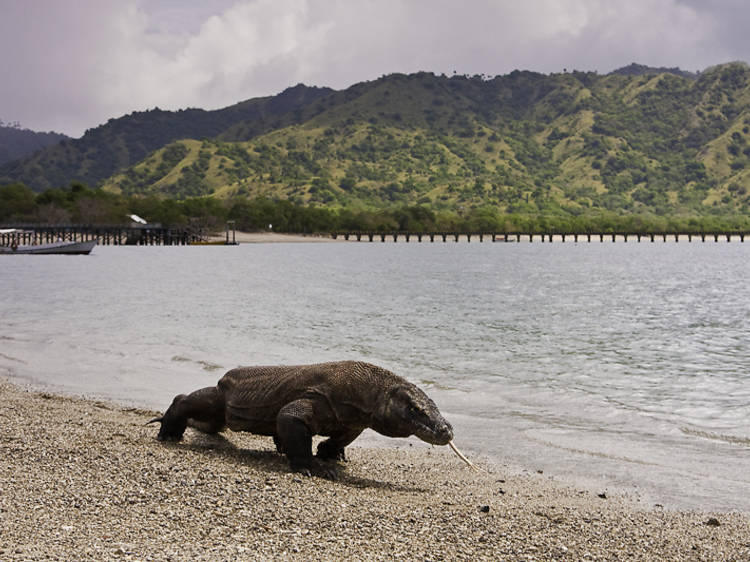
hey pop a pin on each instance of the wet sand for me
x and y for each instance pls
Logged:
(86, 480)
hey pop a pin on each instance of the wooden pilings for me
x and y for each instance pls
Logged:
(116, 235)
(24, 235)
(564, 237)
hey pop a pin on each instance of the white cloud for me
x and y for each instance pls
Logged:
(72, 65)
(229, 52)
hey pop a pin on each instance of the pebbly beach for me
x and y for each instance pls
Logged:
(87, 480)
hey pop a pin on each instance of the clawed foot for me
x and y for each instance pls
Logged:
(170, 433)
(328, 452)
(170, 429)
(169, 438)
(317, 468)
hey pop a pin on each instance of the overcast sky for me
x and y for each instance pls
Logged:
(69, 65)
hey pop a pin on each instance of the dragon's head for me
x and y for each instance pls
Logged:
(409, 411)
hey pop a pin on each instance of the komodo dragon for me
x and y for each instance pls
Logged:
(292, 403)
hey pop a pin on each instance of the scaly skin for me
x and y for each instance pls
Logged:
(292, 403)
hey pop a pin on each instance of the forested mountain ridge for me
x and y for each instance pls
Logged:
(636, 140)
(124, 141)
(16, 142)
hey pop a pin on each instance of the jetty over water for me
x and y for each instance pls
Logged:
(25, 234)
(396, 236)
(148, 235)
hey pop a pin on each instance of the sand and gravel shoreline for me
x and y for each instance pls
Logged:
(86, 480)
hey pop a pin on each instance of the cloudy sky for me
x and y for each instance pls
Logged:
(68, 65)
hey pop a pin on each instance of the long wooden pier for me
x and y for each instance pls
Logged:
(574, 237)
(107, 235)
(25, 234)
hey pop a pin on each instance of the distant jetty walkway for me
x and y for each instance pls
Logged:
(158, 236)
(541, 236)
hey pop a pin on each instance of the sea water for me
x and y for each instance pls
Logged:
(614, 365)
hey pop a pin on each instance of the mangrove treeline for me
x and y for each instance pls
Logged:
(79, 204)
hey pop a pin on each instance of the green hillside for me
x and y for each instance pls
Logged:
(525, 142)
(124, 141)
(635, 141)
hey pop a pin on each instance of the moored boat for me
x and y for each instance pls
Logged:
(62, 247)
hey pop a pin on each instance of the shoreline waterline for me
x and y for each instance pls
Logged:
(621, 365)
(86, 479)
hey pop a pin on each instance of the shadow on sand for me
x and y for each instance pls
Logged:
(273, 462)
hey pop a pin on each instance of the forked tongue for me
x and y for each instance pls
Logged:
(461, 456)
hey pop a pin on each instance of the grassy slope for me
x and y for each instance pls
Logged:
(126, 141)
(660, 143)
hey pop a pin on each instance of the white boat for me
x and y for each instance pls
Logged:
(51, 248)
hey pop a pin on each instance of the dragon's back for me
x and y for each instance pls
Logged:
(254, 395)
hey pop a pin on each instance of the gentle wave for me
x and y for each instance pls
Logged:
(733, 439)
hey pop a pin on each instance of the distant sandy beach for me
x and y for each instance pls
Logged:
(271, 237)
(86, 480)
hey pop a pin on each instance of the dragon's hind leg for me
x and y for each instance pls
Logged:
(333, 447)
(202, 409)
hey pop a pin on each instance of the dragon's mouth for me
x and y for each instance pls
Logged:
(443, 435)
(435, 435)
